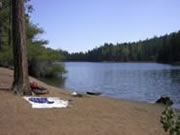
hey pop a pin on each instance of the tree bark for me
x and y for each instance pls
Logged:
(9, 19)
(0, 26)
(0, 35)
(0, 3)
(21, 84)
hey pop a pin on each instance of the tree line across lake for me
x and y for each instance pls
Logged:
(164, 49)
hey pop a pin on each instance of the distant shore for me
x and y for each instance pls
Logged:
(88, 115)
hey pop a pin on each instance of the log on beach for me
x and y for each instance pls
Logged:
(93, 93)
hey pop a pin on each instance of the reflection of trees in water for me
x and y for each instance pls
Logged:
(56, 81)
(175, 80)
(175, 76)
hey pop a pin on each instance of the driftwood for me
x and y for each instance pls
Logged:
(38, 89)
(93, 93)
(39, 92)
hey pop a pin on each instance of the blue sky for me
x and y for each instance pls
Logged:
(80, 25)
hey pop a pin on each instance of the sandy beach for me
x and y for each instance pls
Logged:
(89, 115)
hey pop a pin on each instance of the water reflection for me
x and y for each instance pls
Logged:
(134, 81)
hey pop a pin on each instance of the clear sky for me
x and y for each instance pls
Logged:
(80, 25)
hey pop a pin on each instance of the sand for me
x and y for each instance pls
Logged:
(89, 115)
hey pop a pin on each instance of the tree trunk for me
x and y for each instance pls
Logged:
(0, 3)
(9, 19)
(21, 84)
(0, 26)
(0, 35)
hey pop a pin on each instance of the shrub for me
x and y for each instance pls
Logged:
(45, 69)
(170, 121)
(54, 70)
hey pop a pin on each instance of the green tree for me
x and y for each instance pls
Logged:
(163, 49)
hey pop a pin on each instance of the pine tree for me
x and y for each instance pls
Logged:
(21, 84)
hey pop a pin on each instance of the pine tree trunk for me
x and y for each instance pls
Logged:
(9, 19)
(0, 35)
(0, 3)
(0, 26)
(21, 84)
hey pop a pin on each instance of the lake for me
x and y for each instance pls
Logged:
(133, 81)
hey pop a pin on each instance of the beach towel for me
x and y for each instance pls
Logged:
(46, 102)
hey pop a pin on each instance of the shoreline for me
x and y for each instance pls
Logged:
(110, 97)
(90, 115)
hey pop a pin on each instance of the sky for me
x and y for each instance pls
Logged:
(81, 25)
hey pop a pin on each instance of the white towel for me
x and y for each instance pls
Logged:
(56, 102)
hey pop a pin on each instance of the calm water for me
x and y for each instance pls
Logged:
(134, 81)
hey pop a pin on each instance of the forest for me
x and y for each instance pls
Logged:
(163, 49)
(41, 59)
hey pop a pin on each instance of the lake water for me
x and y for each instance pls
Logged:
(132, 81)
